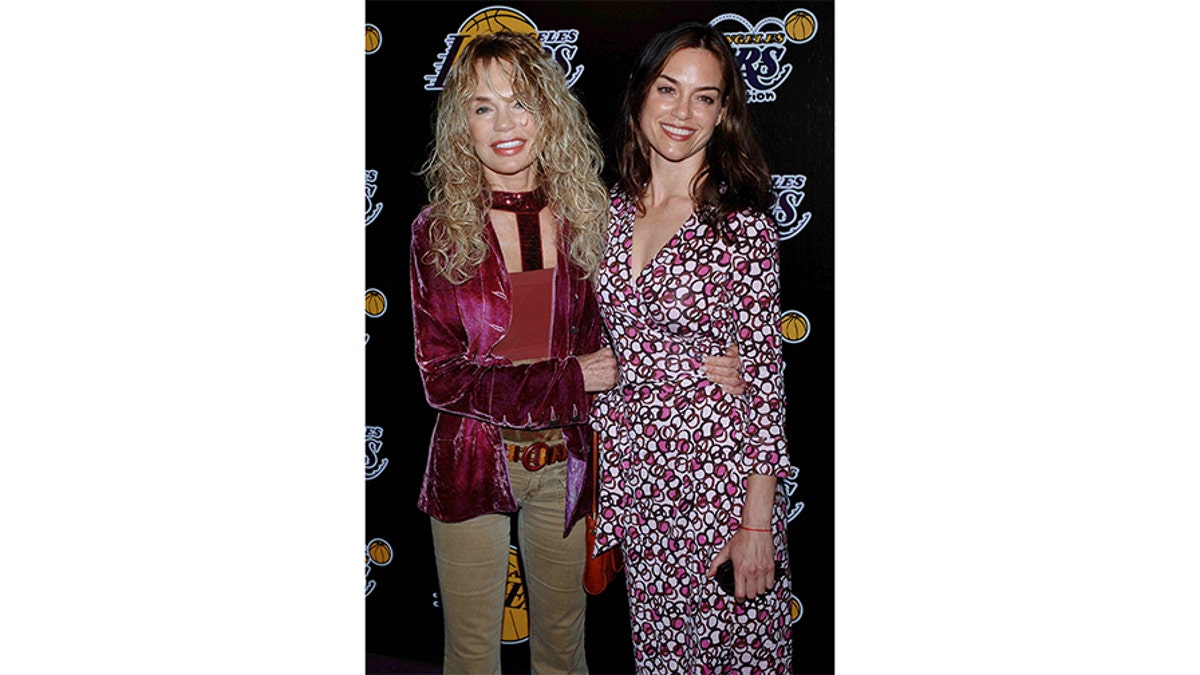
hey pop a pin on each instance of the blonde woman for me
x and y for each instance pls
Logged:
(508, 343)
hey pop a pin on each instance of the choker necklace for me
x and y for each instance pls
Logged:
(526, 205)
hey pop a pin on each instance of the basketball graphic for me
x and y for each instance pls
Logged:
(494, 19)
(800, 26)
(380, 551)
(373, 39)
(794, 326)
(516, 610)
(376, 303)
(795, 609)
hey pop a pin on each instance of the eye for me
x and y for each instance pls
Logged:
(707, 100)
(666, 89)
(482, 110)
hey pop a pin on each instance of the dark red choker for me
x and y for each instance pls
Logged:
(518, 202)
(526, 205)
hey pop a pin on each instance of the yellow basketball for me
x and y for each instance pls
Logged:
(373, 38)
(380, 551)
(376, 303)
(516, 610)
(496, 19)
(794, 326)
(800, 25)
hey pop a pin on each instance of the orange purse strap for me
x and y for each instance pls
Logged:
(595, 471)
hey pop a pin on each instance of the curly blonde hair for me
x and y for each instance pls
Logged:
(568, 159)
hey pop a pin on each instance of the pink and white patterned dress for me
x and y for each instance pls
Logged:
(675, 449)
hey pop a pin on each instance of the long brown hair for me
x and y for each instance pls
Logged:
(568, 158)
(735, 177)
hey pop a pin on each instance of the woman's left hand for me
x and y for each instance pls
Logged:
(726, 371)
(753, 555)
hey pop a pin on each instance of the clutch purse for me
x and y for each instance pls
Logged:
(724, 575)
(599, 571)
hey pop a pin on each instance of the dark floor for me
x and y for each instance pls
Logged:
(385, 665)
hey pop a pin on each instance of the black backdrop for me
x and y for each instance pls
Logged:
(790, 73)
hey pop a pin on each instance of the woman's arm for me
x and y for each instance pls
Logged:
(755, 289)
(764, 447)
(752, 547)
(599, 370)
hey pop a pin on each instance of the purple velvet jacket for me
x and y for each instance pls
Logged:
(476, 392)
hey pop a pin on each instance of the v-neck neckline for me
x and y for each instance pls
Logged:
(650, 262)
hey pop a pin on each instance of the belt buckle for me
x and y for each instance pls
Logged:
(529, 456)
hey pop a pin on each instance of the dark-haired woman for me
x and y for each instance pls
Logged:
(689, 472)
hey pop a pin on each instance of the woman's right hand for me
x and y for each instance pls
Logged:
(599, 370)
(726, 370)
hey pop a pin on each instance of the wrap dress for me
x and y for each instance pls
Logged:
(676, 449)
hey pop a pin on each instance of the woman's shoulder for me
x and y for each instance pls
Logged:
(618, 196)
(421, 235)
(424, 216)
(755, 228)
(420, 224)
(620, 203)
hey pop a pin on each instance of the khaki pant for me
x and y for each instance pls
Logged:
(472, 565)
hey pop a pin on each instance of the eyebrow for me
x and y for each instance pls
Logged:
(493, 97)
(676, 83)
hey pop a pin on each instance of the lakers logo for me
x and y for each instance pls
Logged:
(378, 553)
(375, 464)
(373, 209)
(516, 608)
(760, 48)
(795, 609)
(494, 20)
(374, 39)
(376, 303)
(789, 192)
(790, 483)
(794, 326)
(560, 44)
(488, 20)
(800, 26)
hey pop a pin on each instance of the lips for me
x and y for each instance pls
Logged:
(677, 133)
(508, 147)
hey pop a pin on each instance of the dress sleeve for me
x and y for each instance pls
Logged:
(593, 322)
(535, 395)
(760, 346)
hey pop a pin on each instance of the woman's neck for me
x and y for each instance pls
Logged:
(514, 189)
(671, 180)
(526, 181)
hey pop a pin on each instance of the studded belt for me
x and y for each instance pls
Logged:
(536, 455)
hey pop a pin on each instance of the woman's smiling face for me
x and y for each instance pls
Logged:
(502, 130)
(683, 105)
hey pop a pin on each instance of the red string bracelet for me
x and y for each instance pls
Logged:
(751, 529)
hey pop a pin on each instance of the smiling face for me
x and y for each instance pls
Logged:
(502, 130)
(683, 106)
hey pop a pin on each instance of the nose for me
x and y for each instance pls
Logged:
(682, 109)
(505, 119)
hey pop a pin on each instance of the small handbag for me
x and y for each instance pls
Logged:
(598, 571)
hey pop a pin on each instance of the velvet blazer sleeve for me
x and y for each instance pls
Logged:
(455, 328)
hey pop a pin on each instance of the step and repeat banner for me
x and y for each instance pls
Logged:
(786, 52)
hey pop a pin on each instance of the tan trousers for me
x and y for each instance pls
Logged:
(472, 565)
